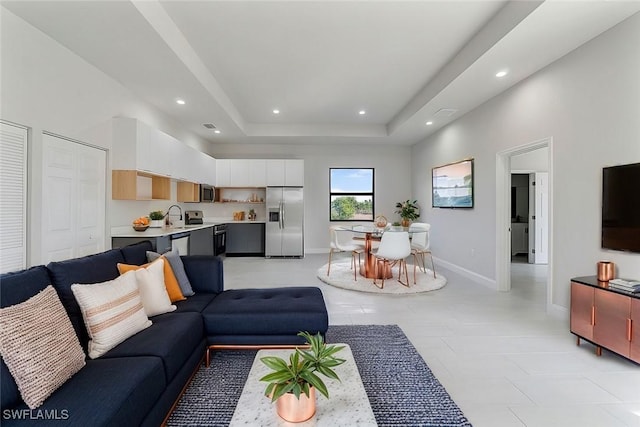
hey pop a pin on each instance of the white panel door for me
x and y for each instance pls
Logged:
(542, 218)
(531, 259)
(73, 199)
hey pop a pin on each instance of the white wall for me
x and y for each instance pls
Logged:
(589, 103)
(47, 87)
(533, 161)
(392, 178)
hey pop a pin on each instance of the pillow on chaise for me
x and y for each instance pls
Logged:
(169, 278)
(112, 312)
(178, 269)
(150, 279)
(39, 346)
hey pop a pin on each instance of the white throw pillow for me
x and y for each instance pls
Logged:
(39, 346)
(112, 312)
(155, 298)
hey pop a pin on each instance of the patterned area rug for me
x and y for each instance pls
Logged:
(341, 276)
(402, 389)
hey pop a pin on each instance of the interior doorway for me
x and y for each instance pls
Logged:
(520, 160)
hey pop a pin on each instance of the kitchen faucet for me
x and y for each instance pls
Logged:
(169, 210)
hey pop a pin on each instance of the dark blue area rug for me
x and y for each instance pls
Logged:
(402, 389)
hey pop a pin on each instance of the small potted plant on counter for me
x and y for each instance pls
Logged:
(292, 385)
(156, 218)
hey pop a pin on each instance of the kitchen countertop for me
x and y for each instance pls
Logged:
(128, 231)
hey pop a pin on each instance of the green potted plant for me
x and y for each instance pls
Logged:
(292, 384)
(156, 218)
(408, 211)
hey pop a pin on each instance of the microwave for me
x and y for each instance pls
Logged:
(207, 193)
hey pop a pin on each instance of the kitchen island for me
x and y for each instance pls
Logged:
(198, 238)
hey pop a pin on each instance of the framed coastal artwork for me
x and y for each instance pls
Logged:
(452, 185)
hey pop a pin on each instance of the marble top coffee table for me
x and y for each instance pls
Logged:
(348, 404)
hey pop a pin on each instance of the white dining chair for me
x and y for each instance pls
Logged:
(338, 245)
(394, 248)
(420, 246)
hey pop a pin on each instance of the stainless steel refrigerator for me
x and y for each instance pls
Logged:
(285, 222)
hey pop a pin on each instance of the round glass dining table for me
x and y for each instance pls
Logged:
(370, 234)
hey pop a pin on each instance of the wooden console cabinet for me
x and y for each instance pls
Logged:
(606, 317)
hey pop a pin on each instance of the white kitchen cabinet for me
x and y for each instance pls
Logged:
(257, 173)
(223, 173)
(275, 172)
(285, 172)
(206, 169)
(137, 146)
(294, 173)
(239, 170)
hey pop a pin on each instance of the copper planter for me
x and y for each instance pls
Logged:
(606, 271)
(295, 410)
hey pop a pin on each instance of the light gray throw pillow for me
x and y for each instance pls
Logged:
(178, 269)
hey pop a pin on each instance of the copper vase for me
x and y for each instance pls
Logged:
(606, 271)
(295, 410)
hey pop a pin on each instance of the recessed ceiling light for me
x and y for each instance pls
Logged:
(216, 131)
(429, 123)
(180, 101)
(276, 111)
(501, 73)
(362, 112)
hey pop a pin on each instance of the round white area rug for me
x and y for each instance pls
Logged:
(341, 276)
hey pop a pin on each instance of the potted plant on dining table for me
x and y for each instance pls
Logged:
(408, 211)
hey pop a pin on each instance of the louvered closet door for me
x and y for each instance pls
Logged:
(13, 198)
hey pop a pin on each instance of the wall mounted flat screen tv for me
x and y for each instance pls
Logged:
(452, 185)
(621, 207)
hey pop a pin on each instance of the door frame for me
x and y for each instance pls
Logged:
(503, 213)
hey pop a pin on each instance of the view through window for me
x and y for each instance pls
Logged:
(351, 194)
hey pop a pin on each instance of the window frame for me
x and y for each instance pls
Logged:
(347, 194)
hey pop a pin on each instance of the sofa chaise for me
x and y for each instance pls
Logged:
(139, 381)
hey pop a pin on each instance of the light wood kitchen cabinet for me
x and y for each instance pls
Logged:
(188, 191)
(136, 185)
(606, 317)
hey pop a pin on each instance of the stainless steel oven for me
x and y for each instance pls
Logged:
(219, 239)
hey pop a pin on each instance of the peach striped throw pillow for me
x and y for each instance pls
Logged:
(112, 312)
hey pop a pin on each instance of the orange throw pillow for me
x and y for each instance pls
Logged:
(170, 281)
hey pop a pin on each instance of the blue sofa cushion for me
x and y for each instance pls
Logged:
(136, 254)
(173, 338)
(205, 273)
(15, 288)
(19, 286)
(106, 392)
(277, 311)
(195, 303)
(90, 269)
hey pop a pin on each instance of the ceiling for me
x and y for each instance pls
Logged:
(319, 62)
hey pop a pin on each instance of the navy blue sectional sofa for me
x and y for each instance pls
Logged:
(139, 381)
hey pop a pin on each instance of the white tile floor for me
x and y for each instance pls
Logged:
(501, 357)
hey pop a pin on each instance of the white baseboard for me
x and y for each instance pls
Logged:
(478, 278)
(558, 311)
(316, 251)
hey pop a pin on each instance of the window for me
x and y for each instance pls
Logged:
(351, 194)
